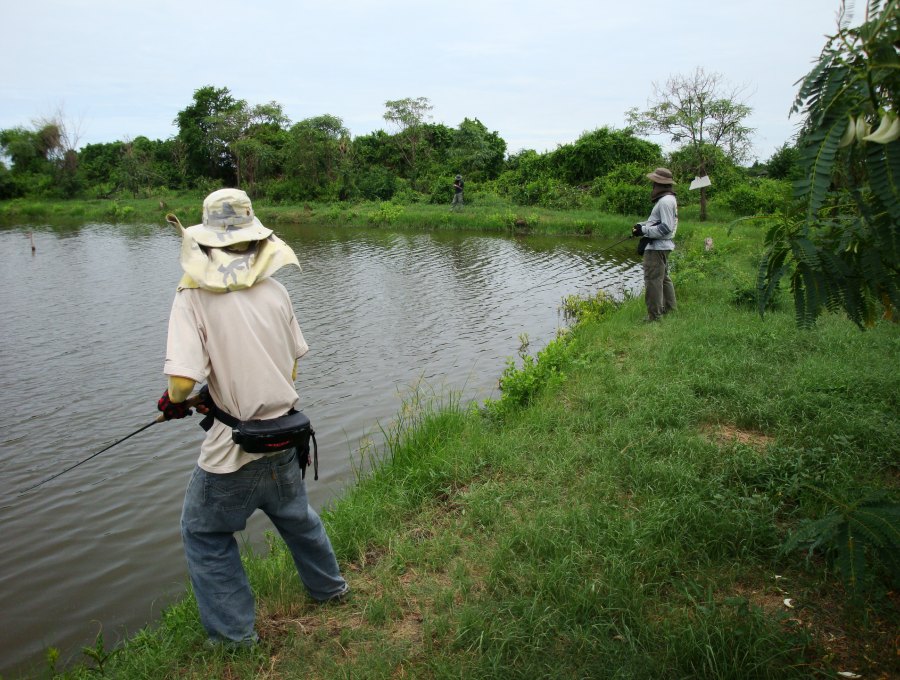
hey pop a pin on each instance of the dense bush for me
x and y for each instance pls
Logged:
(624, 191)
(757, 197)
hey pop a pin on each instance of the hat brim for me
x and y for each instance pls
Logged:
(222, 237)
(659, 179)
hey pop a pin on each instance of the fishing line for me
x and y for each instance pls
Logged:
(94, 455)
(192, 401)
(602, 250)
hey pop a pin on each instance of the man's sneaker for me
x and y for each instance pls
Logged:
(342, 596)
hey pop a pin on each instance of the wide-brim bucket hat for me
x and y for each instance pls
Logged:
(228, 218)
(661, 176)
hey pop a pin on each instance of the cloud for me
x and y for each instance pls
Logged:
(538, 73)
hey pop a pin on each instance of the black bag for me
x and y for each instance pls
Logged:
(642, 244)
(291, 430)
(277, 434)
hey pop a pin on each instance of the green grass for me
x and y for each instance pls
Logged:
(618, 514)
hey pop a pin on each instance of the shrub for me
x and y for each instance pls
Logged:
(375, 183)
(625, 199)
(757, 197)
(550, 193)
(387, 213)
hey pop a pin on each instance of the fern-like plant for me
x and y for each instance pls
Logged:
(839, 247)
(856, 535)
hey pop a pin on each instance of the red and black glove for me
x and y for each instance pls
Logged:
(170, 410)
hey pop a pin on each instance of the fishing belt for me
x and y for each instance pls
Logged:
(292, 430)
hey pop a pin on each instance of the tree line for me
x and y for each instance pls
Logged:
(223, 141)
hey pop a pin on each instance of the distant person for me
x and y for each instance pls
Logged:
(656, 243)
(233, 326)
(457, 193)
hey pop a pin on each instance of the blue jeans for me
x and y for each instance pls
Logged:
(215, 506)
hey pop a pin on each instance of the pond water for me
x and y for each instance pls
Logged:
(82, 344)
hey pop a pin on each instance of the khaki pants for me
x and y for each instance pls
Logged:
(659, 293)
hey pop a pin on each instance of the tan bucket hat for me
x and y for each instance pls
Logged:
(661, 176)
(227, 219)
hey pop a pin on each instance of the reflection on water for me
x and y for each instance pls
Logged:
(83, 337)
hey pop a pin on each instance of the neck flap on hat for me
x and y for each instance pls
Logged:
(221, 270)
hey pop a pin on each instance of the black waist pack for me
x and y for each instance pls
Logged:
(292, 430)
(275, 434)
(642, 244)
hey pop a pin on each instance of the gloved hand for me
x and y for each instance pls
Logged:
(206, 402)
(170, 410)
(637, 230)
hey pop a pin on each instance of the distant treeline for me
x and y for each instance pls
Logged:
(223, 141)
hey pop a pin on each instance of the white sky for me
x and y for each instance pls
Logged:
(538, 73)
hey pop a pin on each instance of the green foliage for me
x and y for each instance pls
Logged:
(205, 152)
(858, 535)
(745, 294)
(783, 164)
(25, 150)
(697, 113)
(722, 170)
(841, 253)
(386, 213)
(375, 183)
(52, 659)
(625, 199)
(520, 385)
(315, 153)
(7, 184)
(99, 655)
(474, 152)
(580, 308)
(757, 197)
(598, 153)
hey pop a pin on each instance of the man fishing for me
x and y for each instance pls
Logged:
(656, 244)
(233, 326)
(457, 202)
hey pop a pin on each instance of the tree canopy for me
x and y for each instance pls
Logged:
(700, 112)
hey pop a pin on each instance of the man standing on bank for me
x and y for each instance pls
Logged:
(233, 326)
(457, 203)
(656, 244)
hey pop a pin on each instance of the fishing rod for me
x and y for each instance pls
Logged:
(609, 247)
(602, 250)
(191, 401)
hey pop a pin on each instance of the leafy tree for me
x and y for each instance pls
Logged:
(206, 154)
(25, 150)
(44, 157)
(697, 111)
(841, 249)
(250, 135)
(783, 163)
(599, 152)
(99, 165)
(409, 116)
(316, 156)
(139, 168)
(475, 152)
(7, 185)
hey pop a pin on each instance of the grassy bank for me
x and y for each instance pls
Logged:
(486, 213)
(619, 513)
